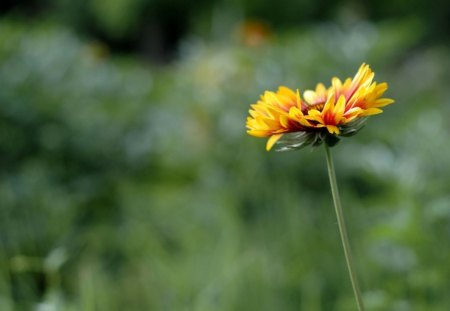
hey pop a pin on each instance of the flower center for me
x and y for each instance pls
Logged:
(318, 106)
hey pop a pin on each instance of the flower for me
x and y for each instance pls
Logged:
(323, 115)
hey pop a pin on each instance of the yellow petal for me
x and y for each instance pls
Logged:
(383, 102)
(314, 113)
(371, 111)
(329, 105)
(381, 88)
(257, 133)
(352, 113)
(315, 117)
(333, 129)
(272, 140)
(305, 122)
(320, 89)
(282, 90)
(336, 82)
(271, 124)
(339, 109)
(295, 113)
(284, 121)
(309, 96)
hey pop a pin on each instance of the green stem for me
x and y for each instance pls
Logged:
(342, 229)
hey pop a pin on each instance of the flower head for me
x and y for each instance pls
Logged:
(323, 115)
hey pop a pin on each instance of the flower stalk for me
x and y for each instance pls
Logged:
(342, 229)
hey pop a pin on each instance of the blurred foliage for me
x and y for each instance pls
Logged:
(154, 28)
(125, 186)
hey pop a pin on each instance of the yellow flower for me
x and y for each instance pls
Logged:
(323, 115)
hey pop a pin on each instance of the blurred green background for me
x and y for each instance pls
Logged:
(127, 181)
